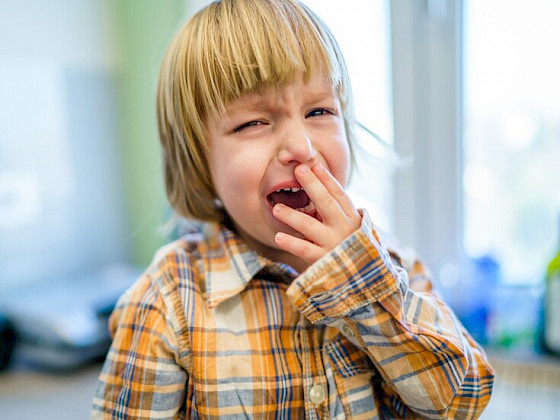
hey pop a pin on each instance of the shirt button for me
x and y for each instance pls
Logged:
(348, 331)
(317, 394)
(321, 297)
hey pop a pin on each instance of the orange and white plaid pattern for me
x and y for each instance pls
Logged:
(213, 330)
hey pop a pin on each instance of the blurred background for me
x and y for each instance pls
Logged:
(464, 95)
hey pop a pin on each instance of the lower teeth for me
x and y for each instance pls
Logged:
(310, 208)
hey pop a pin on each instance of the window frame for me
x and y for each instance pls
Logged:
(427, 75)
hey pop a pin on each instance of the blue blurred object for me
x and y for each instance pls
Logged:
(496, 313)
(482, 280)
(515, 317)
(63, 324)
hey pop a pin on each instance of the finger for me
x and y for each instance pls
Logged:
(301, 248)
(325, 203)
(335, 189)
(310, 227)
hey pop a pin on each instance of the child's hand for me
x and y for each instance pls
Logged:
(337, 217)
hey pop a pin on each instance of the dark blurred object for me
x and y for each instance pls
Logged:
(550, 336)
(62, 324)
(7, 340)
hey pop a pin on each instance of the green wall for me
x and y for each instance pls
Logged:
(143, 29)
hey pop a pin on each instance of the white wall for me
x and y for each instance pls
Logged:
(61, 208)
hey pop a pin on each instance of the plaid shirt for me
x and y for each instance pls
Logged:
(215, 330)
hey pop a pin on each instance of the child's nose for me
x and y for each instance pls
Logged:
(296, 146)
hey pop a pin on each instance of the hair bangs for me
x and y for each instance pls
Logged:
(243, 50)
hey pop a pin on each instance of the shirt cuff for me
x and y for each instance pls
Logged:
(357, 272)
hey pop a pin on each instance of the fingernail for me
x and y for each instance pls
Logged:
(319, 167)
(278, 207)
(303, 169)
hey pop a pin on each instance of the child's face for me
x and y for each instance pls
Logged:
(258, 143)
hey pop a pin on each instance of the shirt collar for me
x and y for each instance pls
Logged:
(228, 264)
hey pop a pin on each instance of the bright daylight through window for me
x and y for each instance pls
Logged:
(363, 34)
(511, 155)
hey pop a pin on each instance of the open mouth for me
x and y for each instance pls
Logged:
(296, 198)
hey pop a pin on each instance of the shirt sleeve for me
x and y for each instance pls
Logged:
(429, 363)
(145, 374)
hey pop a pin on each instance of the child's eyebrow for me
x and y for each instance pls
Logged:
(254, 102)
(249, 102)
(309, 97)
(320, 95)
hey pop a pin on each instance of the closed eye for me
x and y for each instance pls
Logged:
(249, 124)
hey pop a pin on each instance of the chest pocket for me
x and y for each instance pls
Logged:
(351, 377)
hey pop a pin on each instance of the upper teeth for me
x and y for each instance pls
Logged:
(290, 189)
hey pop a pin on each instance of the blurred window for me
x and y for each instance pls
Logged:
(512, 134)
(363, 33)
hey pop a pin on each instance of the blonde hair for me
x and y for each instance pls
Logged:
(228, 49)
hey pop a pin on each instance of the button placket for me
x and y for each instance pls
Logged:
(306, 349)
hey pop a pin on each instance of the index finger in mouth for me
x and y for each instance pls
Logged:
(326, 204)
(335, 189)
